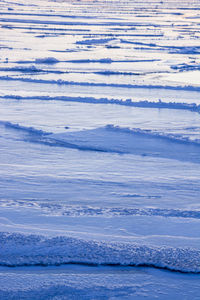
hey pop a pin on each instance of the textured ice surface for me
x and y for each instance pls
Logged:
(84, 282)
(77, 190)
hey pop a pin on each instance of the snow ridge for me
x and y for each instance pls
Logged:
(128, 102)
(19, 127)
(28, 250)
(101, 84)
(149, 133)
(115, 139)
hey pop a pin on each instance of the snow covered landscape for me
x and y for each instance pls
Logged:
(99, 149)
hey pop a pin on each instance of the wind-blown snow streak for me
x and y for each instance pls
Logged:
(118, 211)
(74, 23)
(20, 250)
(97, 211)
